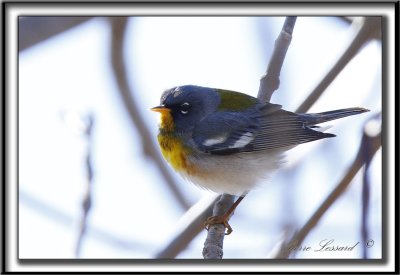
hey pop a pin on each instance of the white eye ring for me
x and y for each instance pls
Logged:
(185, 104)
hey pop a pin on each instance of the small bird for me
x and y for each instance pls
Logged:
(229, 142)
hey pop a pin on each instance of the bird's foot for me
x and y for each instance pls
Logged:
(219, 220)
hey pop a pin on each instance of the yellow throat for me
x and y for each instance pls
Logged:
(172, 148)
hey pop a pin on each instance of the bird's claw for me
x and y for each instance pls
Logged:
(218, 220)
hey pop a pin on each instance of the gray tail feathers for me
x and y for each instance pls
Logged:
(316, 118)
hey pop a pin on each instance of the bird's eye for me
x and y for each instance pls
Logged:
(185, 108)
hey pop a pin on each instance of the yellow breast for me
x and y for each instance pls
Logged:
(171, 146)
(175, 153)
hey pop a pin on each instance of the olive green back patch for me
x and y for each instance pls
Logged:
(235, 101)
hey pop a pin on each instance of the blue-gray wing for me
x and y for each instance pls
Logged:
(283, 129)
(266, 127)
(226, 132)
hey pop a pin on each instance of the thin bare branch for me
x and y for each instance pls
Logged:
(270, 81)
(118, 25)
(268, 84)
(213, 246)
(374, 143)
(370, 29)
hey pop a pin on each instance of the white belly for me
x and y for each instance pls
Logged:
(234, 174)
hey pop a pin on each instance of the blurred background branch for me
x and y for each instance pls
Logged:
(370, 142)
(33, 30)
(63, 218)
(372, 131)
(188, 227)
(118, 27)
(88, 122)
(369, 28)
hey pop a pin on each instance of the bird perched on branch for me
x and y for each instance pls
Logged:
(229, 142)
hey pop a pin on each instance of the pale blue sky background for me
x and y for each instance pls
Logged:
(133, 213)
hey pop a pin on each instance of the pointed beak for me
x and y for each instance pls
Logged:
(160, 109)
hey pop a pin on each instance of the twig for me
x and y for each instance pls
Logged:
(118, 25)
(213, 246)
(270, 81)
(268, 84)
(370, 29)
(87, 199)
(374, 143)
